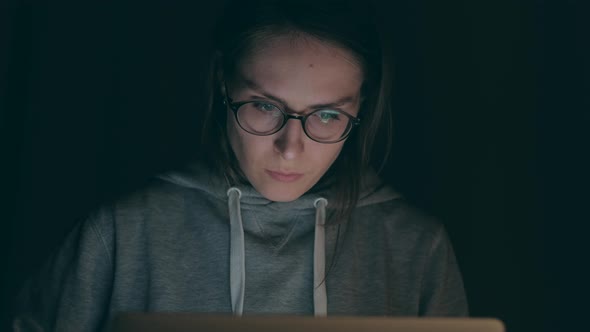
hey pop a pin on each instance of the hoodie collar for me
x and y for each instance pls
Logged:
(196, 175)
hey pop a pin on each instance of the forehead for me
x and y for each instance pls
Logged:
(302, 67)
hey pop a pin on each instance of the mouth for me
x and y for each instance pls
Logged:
(284, 177)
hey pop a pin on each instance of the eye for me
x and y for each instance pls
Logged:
(264, 106)
(326, 116)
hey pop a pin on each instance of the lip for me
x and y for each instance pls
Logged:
(284, 177)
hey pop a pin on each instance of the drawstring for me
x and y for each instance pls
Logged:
(320, 301)
(237, 258)
(237, 270)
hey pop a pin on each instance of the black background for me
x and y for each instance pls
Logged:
(491, 106)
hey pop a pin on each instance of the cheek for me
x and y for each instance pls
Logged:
(336, 149)
(232, 135)
(235, 137)
(325, 154)
(246, 147)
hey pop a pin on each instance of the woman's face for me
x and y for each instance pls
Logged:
(300, 72)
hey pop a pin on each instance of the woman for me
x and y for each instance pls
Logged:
(284, 215)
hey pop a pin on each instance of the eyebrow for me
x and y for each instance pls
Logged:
(253, 86)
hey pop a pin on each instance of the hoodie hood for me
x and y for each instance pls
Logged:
(245, 197)
(198, 176)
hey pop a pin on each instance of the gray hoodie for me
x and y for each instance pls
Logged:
(190, 243)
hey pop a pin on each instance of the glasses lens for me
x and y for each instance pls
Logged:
(327, 125)
(260, 118)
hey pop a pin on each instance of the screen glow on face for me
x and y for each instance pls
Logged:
(265, 118)
(284, 102)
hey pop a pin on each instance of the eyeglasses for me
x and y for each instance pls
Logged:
(263, 118)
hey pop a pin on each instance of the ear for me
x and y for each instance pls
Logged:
(221, 85)
(218, 72)
(220, 82)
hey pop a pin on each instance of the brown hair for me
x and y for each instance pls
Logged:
(346, 24)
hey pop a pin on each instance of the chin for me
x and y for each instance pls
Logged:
(280, 192)
(278, 195)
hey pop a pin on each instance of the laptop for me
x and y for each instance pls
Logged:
(186, 322)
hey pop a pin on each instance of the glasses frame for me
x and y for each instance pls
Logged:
(235, 106)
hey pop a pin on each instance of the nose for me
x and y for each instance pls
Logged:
(289, 140)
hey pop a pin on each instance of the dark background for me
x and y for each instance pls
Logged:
(491, 109)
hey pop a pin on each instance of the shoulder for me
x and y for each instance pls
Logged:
(155, 194)
(156, 201)
(384, 209)
(387, 220)
(396, 216)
